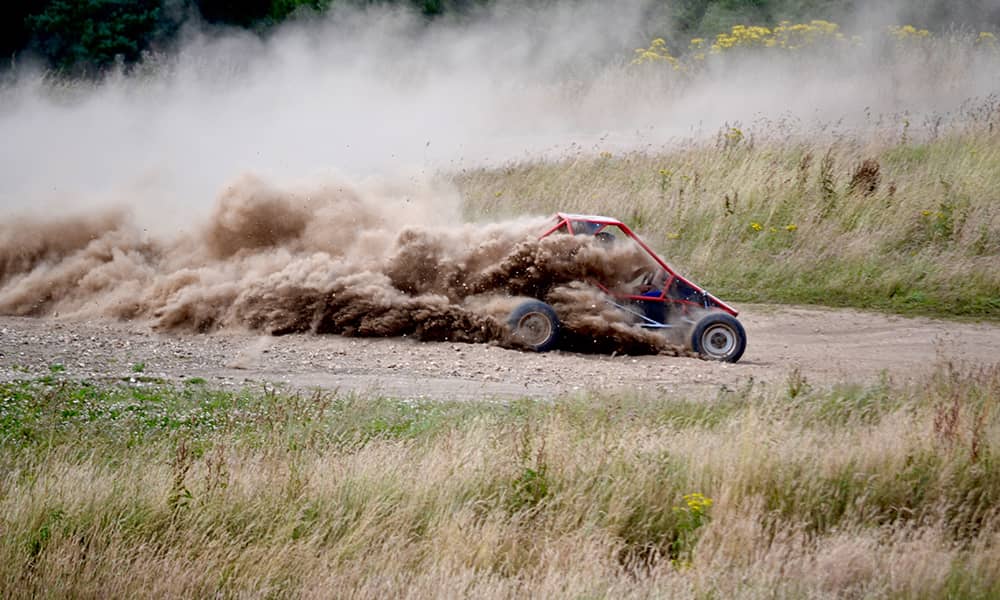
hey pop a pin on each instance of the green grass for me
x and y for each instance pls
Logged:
(905, 227)
(814, 491)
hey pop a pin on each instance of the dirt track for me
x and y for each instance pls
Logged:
(826, 345)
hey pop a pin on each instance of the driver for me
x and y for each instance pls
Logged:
(648, 282)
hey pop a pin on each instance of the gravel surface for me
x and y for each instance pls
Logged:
(825, 345)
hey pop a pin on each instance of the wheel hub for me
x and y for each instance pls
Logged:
(534, 328)
(718, 340)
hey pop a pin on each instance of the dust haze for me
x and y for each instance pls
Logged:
(382, 92)
(293, 183)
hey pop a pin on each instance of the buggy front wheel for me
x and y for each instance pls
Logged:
(719, 336)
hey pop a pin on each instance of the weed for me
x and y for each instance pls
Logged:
(732, 137)
(666, 176)
(827, 184)
(180, 496)
(802, 176)
(866, 178)
(39, 537)
(797, 383)
(729, 207)
(690, 517)
(531, 485)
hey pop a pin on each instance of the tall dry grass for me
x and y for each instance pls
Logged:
(897, 216)
(850, 491)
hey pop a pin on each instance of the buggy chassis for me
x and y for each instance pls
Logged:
(686, 313)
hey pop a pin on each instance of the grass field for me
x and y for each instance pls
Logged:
(791, 491)
(887, 220)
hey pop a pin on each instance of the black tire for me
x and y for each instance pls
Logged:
(719, 336)
(534, 325)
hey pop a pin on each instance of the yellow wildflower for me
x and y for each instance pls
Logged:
(697, 502)
(908, 33)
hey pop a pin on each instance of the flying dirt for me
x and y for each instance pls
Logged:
(325, 260)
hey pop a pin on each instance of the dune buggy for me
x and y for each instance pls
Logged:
(657, 298)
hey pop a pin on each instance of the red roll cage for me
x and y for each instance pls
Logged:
(676, 289)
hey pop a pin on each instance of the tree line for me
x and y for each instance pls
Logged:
(85, 37)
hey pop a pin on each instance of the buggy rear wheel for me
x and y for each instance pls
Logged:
(719, 336)
(534, 325)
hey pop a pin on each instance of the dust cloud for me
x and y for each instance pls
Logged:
(324, 259)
